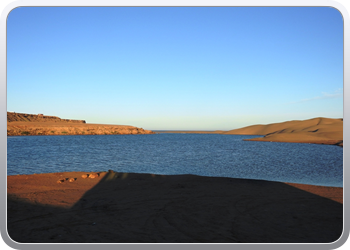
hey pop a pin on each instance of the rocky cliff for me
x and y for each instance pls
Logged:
(27, 124)
(21, 117)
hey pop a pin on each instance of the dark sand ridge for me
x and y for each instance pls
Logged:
(120, 207)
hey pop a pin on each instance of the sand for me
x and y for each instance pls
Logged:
(141, 208)
(317, 130)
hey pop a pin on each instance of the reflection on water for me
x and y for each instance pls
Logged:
(168, 154)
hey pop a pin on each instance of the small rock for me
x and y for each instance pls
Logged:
(84, 176)
(60, 181)
(71, 179)
(94, 175)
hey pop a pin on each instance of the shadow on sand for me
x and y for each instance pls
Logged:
(136, 208)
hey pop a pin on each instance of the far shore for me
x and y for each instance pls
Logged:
(147, 208)
(188, 131)
(317, 130)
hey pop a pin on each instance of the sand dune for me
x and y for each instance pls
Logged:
(316, 130)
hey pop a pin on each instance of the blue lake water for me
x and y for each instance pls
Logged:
(169, 154)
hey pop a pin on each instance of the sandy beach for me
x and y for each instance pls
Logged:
(139, 208)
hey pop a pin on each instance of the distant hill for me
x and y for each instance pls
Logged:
(317, 130)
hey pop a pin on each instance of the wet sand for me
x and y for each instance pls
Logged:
(141, 208)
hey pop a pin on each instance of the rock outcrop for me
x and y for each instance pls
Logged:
(21, 117)
(27, 124)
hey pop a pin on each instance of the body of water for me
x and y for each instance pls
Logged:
(169, 154)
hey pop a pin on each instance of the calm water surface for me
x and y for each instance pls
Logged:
(168, 154)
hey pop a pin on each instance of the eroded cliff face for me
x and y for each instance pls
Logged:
(21, 117)
(27, 124)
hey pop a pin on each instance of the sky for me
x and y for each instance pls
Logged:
(176, 68)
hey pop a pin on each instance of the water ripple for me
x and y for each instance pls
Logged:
(200, 154)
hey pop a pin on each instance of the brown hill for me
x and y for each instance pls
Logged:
(28, 124)
(317, 130)
(21, 117)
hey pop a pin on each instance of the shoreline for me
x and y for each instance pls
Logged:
(187, 132)
(102, 173)
(264, 138)
(138, 208)
(318, 130)
(298, 140)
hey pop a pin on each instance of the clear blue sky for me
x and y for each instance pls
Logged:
(176, 68)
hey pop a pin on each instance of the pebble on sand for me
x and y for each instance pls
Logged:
(94, 175)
